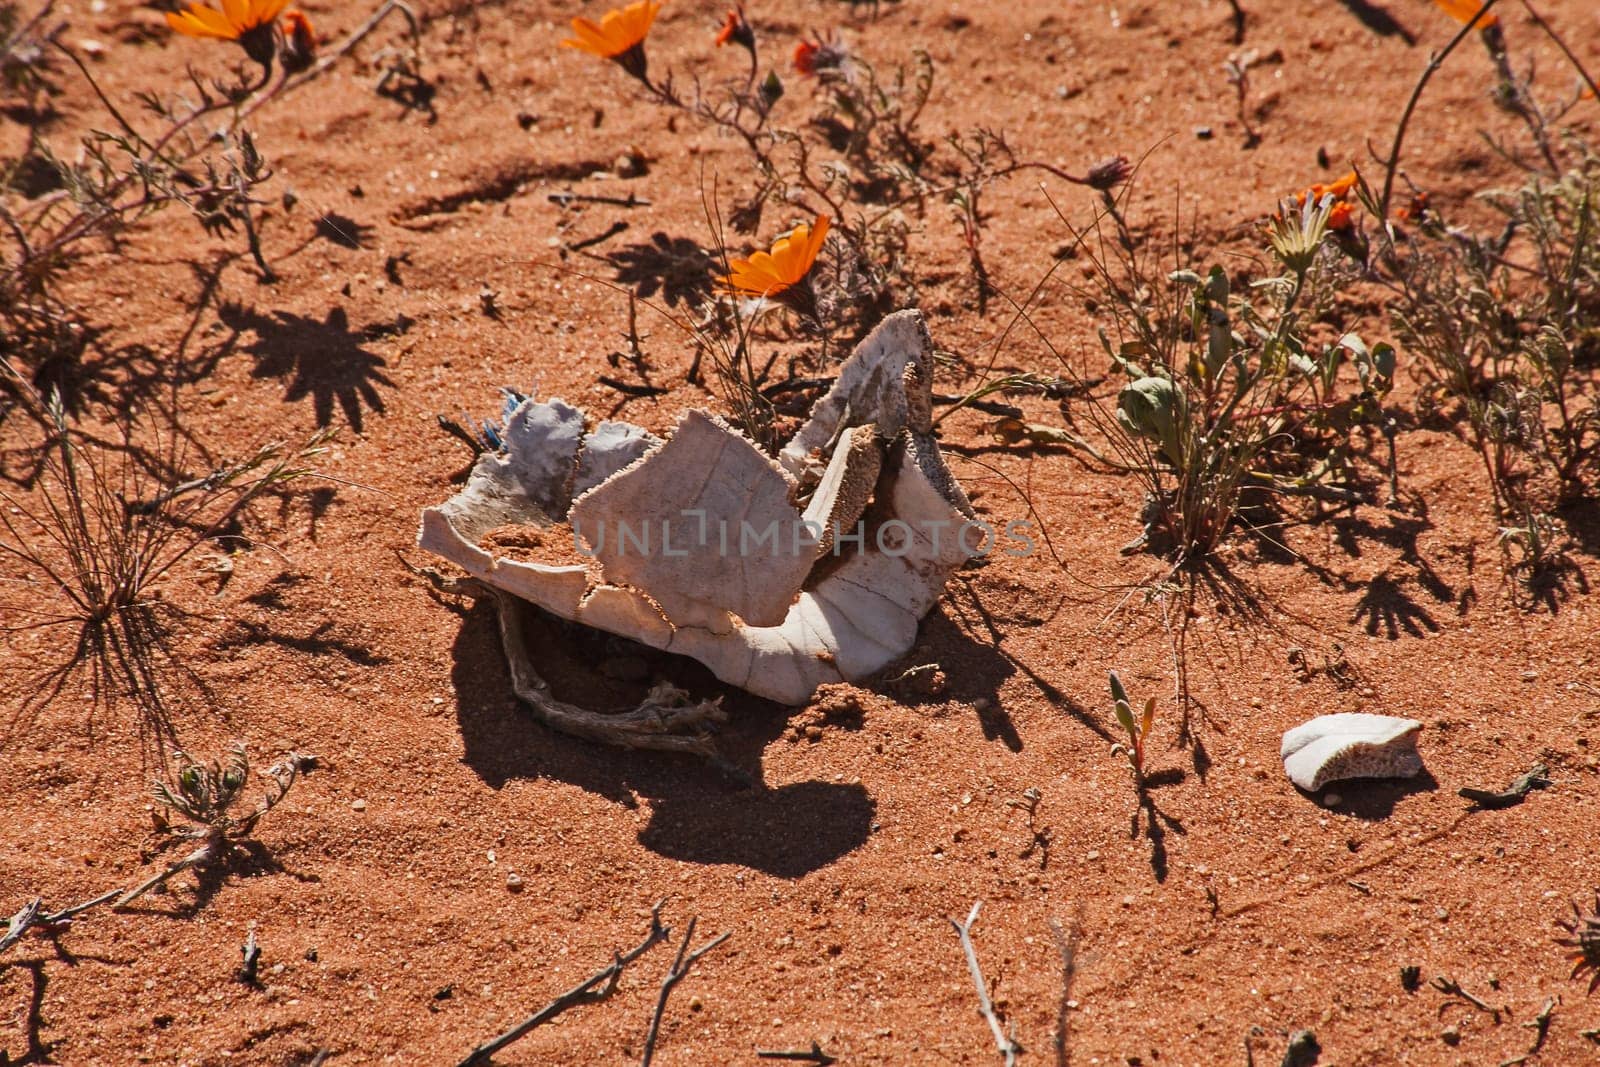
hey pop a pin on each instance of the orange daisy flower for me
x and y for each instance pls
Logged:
(1342, 216)
(248, 22)
(783, 268)
(237, 18)
(1464, 10)
(619, 31)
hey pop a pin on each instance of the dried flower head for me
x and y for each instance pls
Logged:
(249, 22)
(772, 273)
(1583, 938)
(1109, 173)
(618, 36)
(1466, 12)
(299, 41)
(819, 55)
(736, 30)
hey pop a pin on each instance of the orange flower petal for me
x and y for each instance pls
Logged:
(266, 10)
(198, 21)
(1463, 10)
(238, 13)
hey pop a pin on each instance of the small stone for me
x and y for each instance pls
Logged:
(1332, 800)
(358, 805)
(1203, 132)
(696, 1004)
(514, 882)
(1451, 1036)
(1092, 855)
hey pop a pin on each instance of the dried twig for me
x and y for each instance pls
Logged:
(675, 974)
(1541, 1024)
(31, 916)
(1008, 1046)
(664, 721)
(814, 1054)
(1391, 165)
(596, 987)
(1513, 793)
(251, 951)
(20, 923)
(1452, 988)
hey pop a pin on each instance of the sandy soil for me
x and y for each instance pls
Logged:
(379, 895)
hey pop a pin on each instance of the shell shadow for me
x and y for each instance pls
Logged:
(698, 814)
(1372, 799)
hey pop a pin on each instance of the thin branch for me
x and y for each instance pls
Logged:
(814, 1054)
(1007, 1046)
(1392, 164)
(20, 922)
(1556, 37)
(675, 974)
(597, 987)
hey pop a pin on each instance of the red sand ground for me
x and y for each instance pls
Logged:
(836, 877)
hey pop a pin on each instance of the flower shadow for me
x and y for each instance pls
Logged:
(675, 267)
(324, 360)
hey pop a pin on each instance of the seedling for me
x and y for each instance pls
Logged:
(1137, 731)
(203, 794)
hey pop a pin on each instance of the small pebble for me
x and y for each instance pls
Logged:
(514, 882)
(1332, 800)
(358, 805)
(1203, 132)
(1451, 1036)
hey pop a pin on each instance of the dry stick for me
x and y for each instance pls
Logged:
(1008, 1048)
(1541, 1025)
(199, 857)
(650, 725)
(1392, 164)
(30, 917)
(597, 987)
(675, 974)
(67, 913)
(814, 1054)
(20, 923)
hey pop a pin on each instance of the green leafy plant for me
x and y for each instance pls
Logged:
(1138, 730)
(203, 796)
(1222, 380)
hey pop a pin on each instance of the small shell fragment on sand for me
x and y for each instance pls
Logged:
(1331, 748)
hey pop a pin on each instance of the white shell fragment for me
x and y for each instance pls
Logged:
(868, 521)
(1351, 745)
